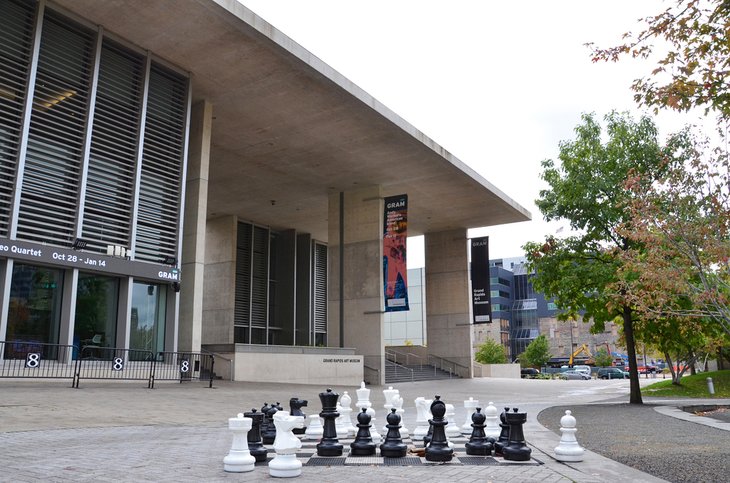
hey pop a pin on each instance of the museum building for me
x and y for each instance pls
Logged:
(200, 181)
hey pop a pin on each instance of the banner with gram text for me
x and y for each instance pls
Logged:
(481, 296)
(395, 272)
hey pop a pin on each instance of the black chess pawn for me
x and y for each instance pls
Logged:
(363, 444)
(438, 449)
(264, 423)
(516, 449)
(255, 445)
(295, 406)
(268, 435)
(478, 444)
(393, 446)
(329, 445)
(503, 435)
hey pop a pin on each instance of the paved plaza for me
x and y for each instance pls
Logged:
(123, 431)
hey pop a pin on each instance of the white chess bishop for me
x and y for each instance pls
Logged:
(314, 429)
(285, 464)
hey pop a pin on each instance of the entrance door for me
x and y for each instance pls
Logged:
(149, 303)
(96, 313)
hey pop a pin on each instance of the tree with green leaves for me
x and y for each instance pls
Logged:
(603, 358)
(491, 352)
(690, 43)
(537, 353)
(586, 188)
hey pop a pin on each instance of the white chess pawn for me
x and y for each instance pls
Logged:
(341, 426)
(492, 429)
(345, 401)
(568, 449)
(285, 464)
(363, 399)
(423, 414)
(470, 405)
(452, 428)
(239, 459)
(314, 429)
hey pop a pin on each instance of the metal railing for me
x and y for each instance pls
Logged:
(397, 367)
(30, 359)
(183, 366)
(231, 375)
(446, 365)
(373, 369)
(27, 359)
(394, 355)
(115, 364)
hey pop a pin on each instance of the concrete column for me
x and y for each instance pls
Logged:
(219, 289)
(448, 300)
(196, 204)
(362, 277)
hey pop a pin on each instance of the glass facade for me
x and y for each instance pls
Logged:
(96, 311)
(34, 315)
(149, 306)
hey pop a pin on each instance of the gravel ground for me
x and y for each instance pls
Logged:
(638, 436)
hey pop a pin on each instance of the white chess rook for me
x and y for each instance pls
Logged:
(471, 405)
(239, 459)
(285, 464)
(568, 449)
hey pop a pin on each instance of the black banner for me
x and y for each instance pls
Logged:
(481, 300)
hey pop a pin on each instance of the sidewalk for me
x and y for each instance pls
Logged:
(124, 432)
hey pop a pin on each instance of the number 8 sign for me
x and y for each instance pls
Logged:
(32, 360)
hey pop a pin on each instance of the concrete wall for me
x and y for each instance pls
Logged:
(220, 276)
(196, 206)
(362, 295)
(511, 371)
(448, 299)
(287, 364)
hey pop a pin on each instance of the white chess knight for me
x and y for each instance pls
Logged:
(470, 405)
(363, 399)
(568, 449)
(492, 429)
(285, 464)
(314, 429)
(423, 414)
(239, 459)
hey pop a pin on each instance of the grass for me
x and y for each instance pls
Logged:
(692, 386)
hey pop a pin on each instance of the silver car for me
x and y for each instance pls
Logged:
(574, 375)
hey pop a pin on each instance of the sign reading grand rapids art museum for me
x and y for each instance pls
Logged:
(395, 273)
(481, 299)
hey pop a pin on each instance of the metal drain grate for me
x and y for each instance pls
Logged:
(325, 461)
(405, 461)
(478, 460)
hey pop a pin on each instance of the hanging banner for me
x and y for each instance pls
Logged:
(395, 231)
(481, 300)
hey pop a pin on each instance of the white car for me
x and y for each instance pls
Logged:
(579, 368)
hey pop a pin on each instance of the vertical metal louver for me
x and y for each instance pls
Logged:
(242, 310)
(16, 39)
(48, 201)
(320, 293)
(260, 278)
(162, 160)
(111, 173)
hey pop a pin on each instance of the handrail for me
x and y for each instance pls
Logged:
(441, 361)
(403, 367)
(393, 356)
(215, 354)
(374, 369)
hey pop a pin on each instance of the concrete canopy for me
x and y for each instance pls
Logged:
(289, 130)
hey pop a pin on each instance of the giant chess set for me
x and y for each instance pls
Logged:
(280, 439)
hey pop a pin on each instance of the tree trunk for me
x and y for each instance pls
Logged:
(635, 394)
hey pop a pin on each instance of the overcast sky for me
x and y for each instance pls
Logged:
(498, 84)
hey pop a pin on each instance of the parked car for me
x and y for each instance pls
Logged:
(529, 372)
(573, 374)
(612, 373)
